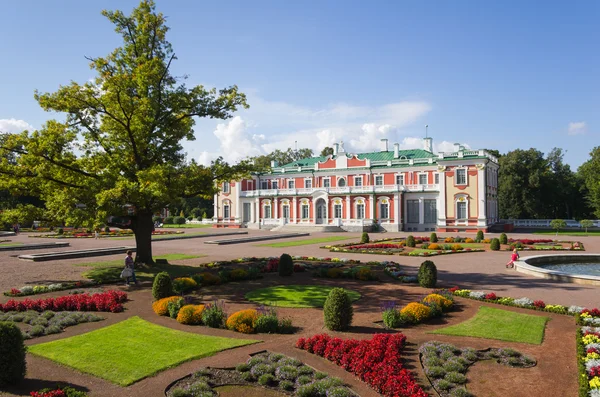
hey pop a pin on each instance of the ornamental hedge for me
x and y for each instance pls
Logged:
(12, 354)
(162, 286)
(337, 310)
(427, 275)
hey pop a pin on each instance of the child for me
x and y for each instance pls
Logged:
(514, 257)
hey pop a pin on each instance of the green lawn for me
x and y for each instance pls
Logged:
(186, 226)
(568, 233)
(10, 244)
(160, 236)
(131, 350)
(306, 242)
(295, 295)
(110, 271)
(492, 323)
(421, 250)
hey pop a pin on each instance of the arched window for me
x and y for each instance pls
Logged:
(360, 208)
(462, 207)
(267, 210)
(384, 209)
(341, 182)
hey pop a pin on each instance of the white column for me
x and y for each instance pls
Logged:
(275, 208)
(293, 210)
(327, 211)
(421, 211)
(371, 207)
(215, 204)
(257, 210)
(481, 199)
(441, 201)
(397, 209)
(238, 202)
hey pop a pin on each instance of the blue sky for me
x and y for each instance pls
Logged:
(501, 75)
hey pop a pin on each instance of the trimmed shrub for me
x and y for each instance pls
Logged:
(267, 323)
(161, 306)
(190, 314)
(168, 220)
(480, 235)
(434, 246)
(442, 301)
(433, 238)
(213, 315)
(427, 276)
(243, 321)
(416, 312)
(12, 354)
(495, 244)
(364, 239)
(286, 265)
(337, 310)
(175, 306)
(179, 220)
(60, 231)
(392, 318)
(184, 284)
(410, 241)
(266, 380)
(162, 286)
(157, 218)
(238, 274)
(503, 238)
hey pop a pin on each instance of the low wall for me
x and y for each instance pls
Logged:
(528, 264)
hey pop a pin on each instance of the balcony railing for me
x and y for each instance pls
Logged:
(342, 190)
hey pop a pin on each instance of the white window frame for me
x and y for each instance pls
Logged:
(308, 181)
(436, 178)
(291, 183)
(226, 207)
(381, 205)
(264, 185)
(285, 204)
(265, 205)
(464, 169)
(274, 184)
(382, 180)
(457, 200)
(400, 176)
(335, 208)
(364, 205)
(226, 187)
(328, 180)
(356, 179)
(419, 178)
(342, 179)
(302, 207)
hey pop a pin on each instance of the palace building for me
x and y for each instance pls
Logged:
(401, 190)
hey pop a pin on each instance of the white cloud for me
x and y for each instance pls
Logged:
(14, 125)
(236, 142)
(577, 128)
(206, 158)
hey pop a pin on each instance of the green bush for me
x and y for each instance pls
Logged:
(286, 385)
(60, 231)
(168, 220)
(286, 265)
(267, 324)
(479, 235)
(427, 275)
(213, 315)
(174, 307)
(433, 238)
(179, 220)
(410, 241)
(162, 286)
(364, 239)
(503, 238)
(392, 318)
(337, 310)
(157, 218)
(495, 244)
(12, 354)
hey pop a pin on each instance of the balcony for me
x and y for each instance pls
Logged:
(341, 190)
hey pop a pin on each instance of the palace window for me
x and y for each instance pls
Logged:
(461, 210)
(430, 211)
(226, 211)
(225, 187)
(326, 182)
(358, 181)
(422, 179)
(267, 211)
(461, 176)
(341, 182)
(305, 211)
(308, 183)
(337, 211)
(360, 211)
(290, 183)
(264, 185)
(379, 180)
(399, 180)
(436, 178)
(412, 211)
(384, 210)
(274, 185)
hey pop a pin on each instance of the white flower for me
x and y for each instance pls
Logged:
(587, 320)
(575, 309)
(55, 287)
(26, 289)
(591, 364)
(590, 329)
(523, 302)
(477, 294)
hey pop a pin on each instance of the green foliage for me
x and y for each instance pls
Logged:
(495, 244)
(558, 224)
(479, 235)
(179, 220)
(410, 241)
(503, 238)
(60, 231)
(157, 219)
(174, 307)
(267, 324)
(286, 265)
(364, 239)
(263, 163)
(433, 238)
(337, 310)
(392, 318)
(12, 354)
(266, 379)
(586, 224)
(214, 315)
(162, 286)
(589, 173)
(168, 220)
(204, 216)
(427, 275)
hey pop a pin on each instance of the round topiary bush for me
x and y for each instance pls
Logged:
(286, 265)
(364, 239)
(337, 310)
(12, 354)
(503, 238)
(168, 220)
(427, 275)
(162, 286)
(179, 220)
(410, 241)
(157, 218)
(495, 244)
(433, 238)
(479, 235)
(60, 231)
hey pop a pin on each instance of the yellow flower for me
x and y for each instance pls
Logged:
(595, 383)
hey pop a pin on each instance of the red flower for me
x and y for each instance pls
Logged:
(491, 296)
(105, 301)
(453, 289)
(539, 304)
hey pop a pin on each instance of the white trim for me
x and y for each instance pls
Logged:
(308, 178)
(396, 175)
(356, 203)
(375, 176)
(325, 178)
(419, 177)
(456, 169)
(465, 199)
(356, 177)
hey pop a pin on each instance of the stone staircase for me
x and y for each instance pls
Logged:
(291, 228)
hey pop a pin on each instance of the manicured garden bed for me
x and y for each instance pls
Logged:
(492, 323)
(295, 295)
(131, 350)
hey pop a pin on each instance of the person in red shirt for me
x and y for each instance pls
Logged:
(514, 257)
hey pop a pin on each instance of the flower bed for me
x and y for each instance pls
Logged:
(109, 301)
(588, 361)
(433, 305)
(362, 273)
(392, 269)
(48, 322)
(60, 391)
(377, 361)
(445, 365)
(42, 289)
(269, 370)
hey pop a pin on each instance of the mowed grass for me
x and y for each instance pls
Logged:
(185, 226)
(568, 233)
(10, 244)
(295, 295)
(492, 323)
(110, 271)
(296, 243)
(161, 236)
(131, 350)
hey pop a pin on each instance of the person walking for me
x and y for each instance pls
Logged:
(514, 257)
(96, 234)
(129, 270)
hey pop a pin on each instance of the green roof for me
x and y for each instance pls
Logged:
(373, 156)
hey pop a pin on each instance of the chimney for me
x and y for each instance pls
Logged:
(428, 144)
(273, 164)
(384, 145)
(335, 149)
(456, 147)
(396, 150)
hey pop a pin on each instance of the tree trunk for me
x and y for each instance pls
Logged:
(142, 228)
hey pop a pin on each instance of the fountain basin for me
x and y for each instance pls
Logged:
(572, 268)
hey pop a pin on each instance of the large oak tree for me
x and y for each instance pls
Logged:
(118, 150)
